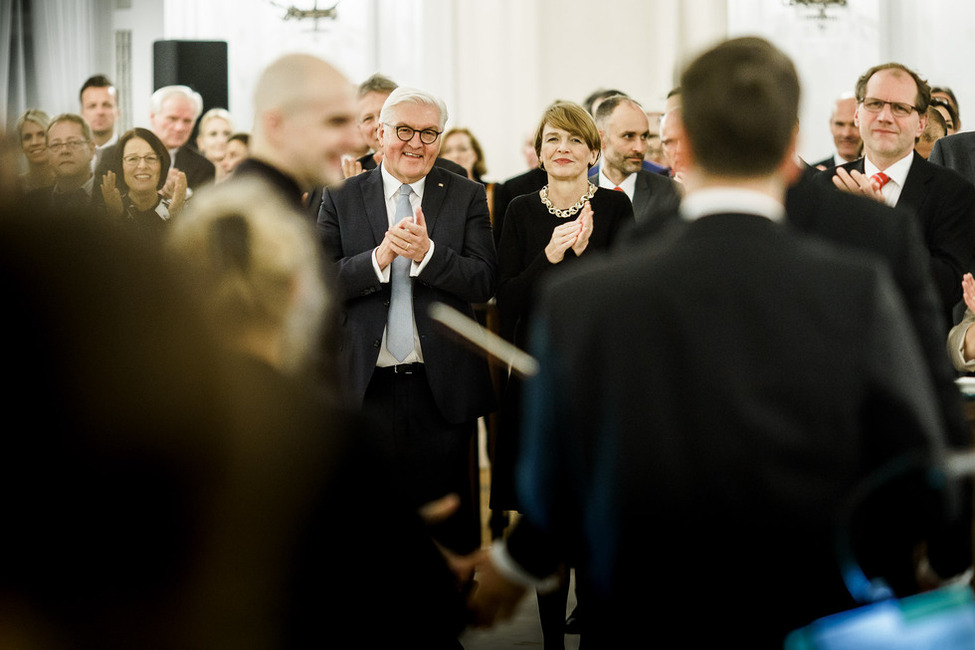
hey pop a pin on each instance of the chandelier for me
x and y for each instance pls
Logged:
(314, 13)
(817, 9)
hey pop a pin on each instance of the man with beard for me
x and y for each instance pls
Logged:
(625, 130)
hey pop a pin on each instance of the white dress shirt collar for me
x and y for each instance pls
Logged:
(628, 185)
(391, 184)
(897, 173)
(724, 200)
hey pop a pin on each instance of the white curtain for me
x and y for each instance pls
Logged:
(64, 51)
(52, 52)
(13, 73)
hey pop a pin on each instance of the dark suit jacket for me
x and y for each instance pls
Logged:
(956, 152)
(199, 171)
(730, 426)
(461, 272)
(74, 202)
(653, 194)
(285, 185)
(944, 205)
(864, 225)
(827, 163)
(525, 183)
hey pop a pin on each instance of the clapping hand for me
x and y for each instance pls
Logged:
(111, 195)
(584, 222)
(179, 194)
(857, 182)
(573, 234)
(968, 290)
(351, 167)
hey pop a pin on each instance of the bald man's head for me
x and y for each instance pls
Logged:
(304, 119)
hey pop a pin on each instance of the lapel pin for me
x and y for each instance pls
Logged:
(439, 184)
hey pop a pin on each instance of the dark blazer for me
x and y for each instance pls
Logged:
(461, 272)
(826, 163)
(943, 203)
(74, 202)
(199, 171)
(525, 183)
(652, 195)
(286, 186)
(956, 152)
(866, 226)
(724, 445)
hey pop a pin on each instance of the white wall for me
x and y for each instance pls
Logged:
(498, 63)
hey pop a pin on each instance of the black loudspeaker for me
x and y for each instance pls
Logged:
(201, 65)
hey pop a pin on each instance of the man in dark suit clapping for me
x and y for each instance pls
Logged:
(891, 113)
(404, 236)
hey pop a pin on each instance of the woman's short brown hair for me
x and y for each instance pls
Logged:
(570, 117)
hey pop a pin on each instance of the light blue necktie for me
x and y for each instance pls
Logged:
(399, 320)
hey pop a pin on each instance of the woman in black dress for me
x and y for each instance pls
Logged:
(545, 231)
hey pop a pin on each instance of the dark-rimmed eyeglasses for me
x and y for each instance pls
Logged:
(405, 133)
(133, 161)
(899, 109)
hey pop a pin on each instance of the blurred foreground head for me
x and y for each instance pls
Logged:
(740, 103)
(255, 263)
(110, 443)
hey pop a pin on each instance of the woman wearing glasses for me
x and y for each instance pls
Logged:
(551, 229)
(131, 188)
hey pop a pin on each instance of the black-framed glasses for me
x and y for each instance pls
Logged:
(72, 145)
(133, 161)
(899, 109)
(405, 133)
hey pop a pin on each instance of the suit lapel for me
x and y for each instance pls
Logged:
(434, 193)
(375, 202)
(641, 191)
(915, 185)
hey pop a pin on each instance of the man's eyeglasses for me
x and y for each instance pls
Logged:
(133, 161)
(72, 145)
(405, 133)
(899, 109)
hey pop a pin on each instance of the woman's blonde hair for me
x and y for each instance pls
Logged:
(257, 265)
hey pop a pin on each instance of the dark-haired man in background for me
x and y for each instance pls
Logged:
(99, 107)
(676, 448)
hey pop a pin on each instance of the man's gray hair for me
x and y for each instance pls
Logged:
(70, 117)
(404, 95)
(160, 96)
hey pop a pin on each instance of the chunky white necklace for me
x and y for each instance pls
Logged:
(568, 212)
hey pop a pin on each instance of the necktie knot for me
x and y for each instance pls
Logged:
(618, 188)
(879, 180)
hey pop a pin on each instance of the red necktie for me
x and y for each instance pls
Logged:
(619, 189)
(879, 180)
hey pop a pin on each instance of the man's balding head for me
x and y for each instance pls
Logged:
(303, 119)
